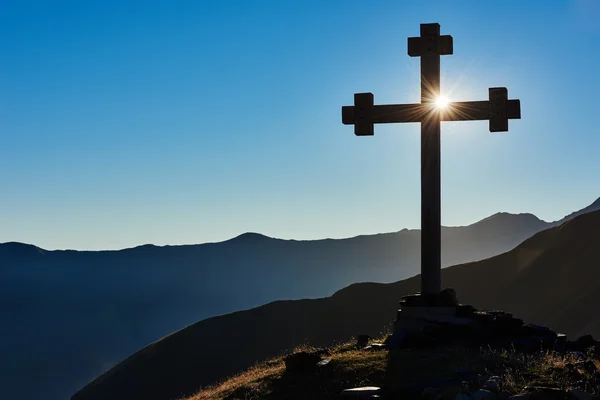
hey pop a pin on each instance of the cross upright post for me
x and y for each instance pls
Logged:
(430, 45)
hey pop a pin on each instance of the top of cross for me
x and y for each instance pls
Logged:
(430, 46)
(430, 41)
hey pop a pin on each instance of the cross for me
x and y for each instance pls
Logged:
(364, 114)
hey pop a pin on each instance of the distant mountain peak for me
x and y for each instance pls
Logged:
(250, 237)
(143, 247)
(505, 216)
(17, 248)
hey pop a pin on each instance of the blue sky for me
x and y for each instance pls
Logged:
(173, 122)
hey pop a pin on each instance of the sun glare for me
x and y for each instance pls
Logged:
(441, 102)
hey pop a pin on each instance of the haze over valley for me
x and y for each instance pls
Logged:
(84, 311)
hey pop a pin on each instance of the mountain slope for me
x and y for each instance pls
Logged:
(595, 206)
(83, 311)
(553, 279)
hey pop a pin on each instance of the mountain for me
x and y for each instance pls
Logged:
(595, 206)
(552, 279)
(83, 311)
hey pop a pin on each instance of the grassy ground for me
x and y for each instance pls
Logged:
(352, 368)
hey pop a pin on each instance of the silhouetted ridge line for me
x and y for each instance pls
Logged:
(550, 279)
(150, 291)
(250, 237)
(19, 249)
(592, 207)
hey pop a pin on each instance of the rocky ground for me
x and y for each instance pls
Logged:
(366, 369)
(455, 353)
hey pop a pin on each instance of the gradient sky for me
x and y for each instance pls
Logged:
(174, 122)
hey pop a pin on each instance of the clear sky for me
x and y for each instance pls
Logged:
(174, 122)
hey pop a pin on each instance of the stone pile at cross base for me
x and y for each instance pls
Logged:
(434, 321)
(429, 321)
(440, 322)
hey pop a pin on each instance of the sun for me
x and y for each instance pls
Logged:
(441, 102)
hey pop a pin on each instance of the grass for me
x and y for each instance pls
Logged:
(349, 367)
(547, 369)
(352, 368)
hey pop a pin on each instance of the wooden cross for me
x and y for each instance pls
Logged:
(364, 114)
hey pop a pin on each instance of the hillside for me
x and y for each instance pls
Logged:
(552, 279)
(123, 300)
(409, 373)
(595, 206)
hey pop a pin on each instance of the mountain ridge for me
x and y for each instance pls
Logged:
(247, 236)
(122, 300)
(542, 289)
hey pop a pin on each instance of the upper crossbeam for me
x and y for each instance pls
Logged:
(498, 110)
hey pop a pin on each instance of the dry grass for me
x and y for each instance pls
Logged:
(254, 382)
(352, 368)
(545, 369)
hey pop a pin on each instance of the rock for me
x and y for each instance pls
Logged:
(432, 321)
(465, 311)
(445, 298)
(519, 397)
(541, 334)
(324, 362)
(493, 384)
(561, 343)
(561, 338)
(362, 341)
(483, 394)
(303, 361)
(396, 340)
(365, 392)
(324, 367)
(584, 342)
(376, 346)
(448, 296)
(580, 395)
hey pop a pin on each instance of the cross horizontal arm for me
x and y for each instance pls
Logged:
(498, 110)
(454, 111)
(386, 114)
(477, 110)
